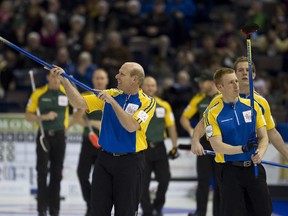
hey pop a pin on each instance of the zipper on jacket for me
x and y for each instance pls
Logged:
(236, 115)
(126, 100)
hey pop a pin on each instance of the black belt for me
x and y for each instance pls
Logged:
(52, 132)
(154, 144)
(118, 154)
(240, 163)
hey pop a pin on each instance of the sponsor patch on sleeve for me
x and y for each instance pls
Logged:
(142, 116)
(209, 130)
(172, 118)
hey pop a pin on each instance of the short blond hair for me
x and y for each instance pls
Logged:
(220, 73)
(243, 59)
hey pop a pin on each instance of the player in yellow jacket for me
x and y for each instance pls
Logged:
(156, 154)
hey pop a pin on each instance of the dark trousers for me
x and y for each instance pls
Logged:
(205, 171)
(88, 155)
(157, 162)
(242, 193)
(48, 195)
(117, 180)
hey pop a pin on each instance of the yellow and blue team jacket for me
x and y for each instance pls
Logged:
(163, 118)
(115, 138)
(50, 100)
(260, 100)
(264, 105)
(234, 123)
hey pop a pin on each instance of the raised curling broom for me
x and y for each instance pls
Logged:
(34, 58)
(248, 30)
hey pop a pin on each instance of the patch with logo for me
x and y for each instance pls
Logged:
(131, 108)
(62, 100)
(209, 130)
(172, 116)
(247, 116)
(143, 116)
(160, 112)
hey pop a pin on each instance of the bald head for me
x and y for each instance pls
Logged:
(136, 70)
(149, 86)
(130, 77)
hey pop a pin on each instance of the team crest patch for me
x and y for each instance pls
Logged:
(142, 116)
(209, 131)
(247, 116)
(131, 108)
(62, 100)
(160, 112)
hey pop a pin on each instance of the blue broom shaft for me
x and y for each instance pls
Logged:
(49, 66)
(263, 161)
(249, 56)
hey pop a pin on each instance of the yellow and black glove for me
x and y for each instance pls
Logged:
(173, 153)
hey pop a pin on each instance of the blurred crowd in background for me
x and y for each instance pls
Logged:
(174, 40)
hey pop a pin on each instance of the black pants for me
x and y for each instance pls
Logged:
(48, 195)
(242, 193)
(205, 170)
(117, 180)
(87, 159)
(157, 162)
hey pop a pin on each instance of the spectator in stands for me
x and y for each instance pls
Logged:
(9, 63)
(206, 51)
(185, 60)
(34, 47)
(49, 31)
(61, 40)
(91, 43)
(130, 23)
(234, 48)
(183, 12)
(104, 22)
(6, 17)
(178, 95)
(18, 31)
(33, 14)
(255, 14)
(55, 7)
(157, 26)
(75, 35)
(228, 31)
(63, 60)
(84, 69)
(274, 43)
(114, 55)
